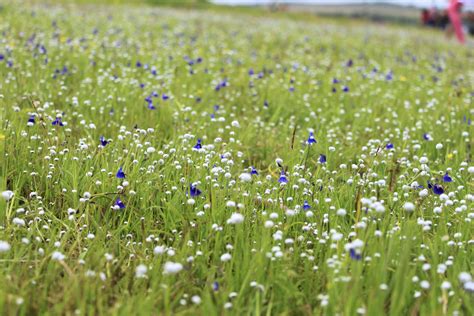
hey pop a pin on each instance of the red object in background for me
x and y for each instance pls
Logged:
(455, 17)
(425, 17)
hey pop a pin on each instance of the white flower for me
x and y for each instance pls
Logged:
(57, 256)
(425, 284)
(230, 204)
(470, 169)
(226, 257)
(18, 221)
(439, 146)
(7, 195)
(423, 193)
(409, 207)
(150, 150)
(464, 277)
(235, 218)
(172, 267)
(268, 224)
(423, 160)
(140, 271)
(245, 177)
(196, 300)
(159, 250)
(469, 286)
(235, 124)
(445, 285)
(4, 246)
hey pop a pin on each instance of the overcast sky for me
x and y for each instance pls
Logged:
(419, 3)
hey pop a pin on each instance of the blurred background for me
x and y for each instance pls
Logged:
(428, 13)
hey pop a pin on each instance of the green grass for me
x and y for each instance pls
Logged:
(403, 83)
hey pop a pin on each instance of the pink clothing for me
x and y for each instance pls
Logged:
(455, 17)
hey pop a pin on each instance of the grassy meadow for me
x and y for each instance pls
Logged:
(167, 161)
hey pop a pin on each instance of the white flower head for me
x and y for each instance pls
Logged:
(235, 218)
(140, 271)
(172, 267)
(8, 195)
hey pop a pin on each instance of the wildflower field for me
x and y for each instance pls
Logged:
(166, 161)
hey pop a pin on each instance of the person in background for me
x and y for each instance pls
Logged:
(454, 13)
(426, 18)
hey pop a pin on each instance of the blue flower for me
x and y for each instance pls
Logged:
(283, 178)
(345, 89)
(215, 286)
(349, 63)
(119, 203)
(198, 144)
(164, 97)
(437, 189)
(254, 171)
(426, 136)
(31, 119)
(193, 191)
(354, 255)
(322, 158)
(389, 146)
(311, 139)
(265, 103)
(447, 178)
(151, 106)
(103, 141)
(58, 121)
(120, 174)
(306, 206)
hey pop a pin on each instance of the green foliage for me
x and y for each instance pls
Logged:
(97, 70)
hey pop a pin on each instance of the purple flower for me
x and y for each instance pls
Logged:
(322, 158)
(389, 146)
(447, 178)
(194, 191)
(311, 139)
(215, 286)
(198, 144)
(254, 171)
(354, 255)
(437, 189)
(306, 206)
(58, 121)
(119, 203)
(283, 178)
(103, 141)
(31, 119)
(120, 174)
(151, 106)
